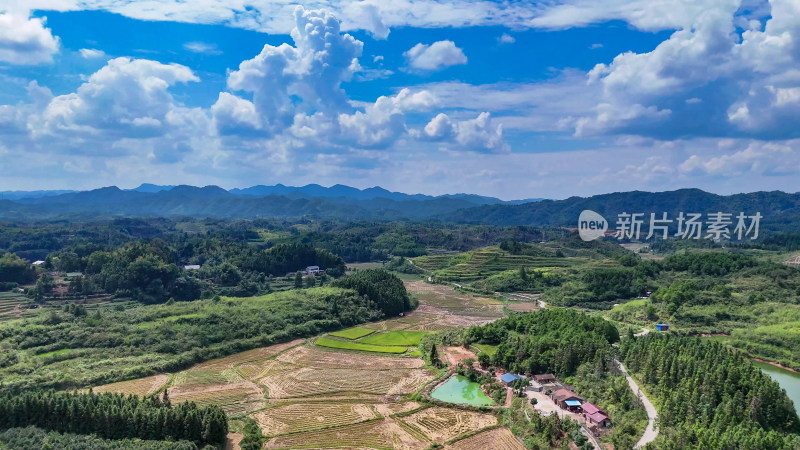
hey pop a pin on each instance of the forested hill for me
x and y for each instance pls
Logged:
(780, 210)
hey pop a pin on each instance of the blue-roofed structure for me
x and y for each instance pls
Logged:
(662, 326)
(509, 378)
(573, 403)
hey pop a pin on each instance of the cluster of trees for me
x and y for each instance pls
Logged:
(547, 341)
(382, 289)
(401, 264)
(37, 438)
(710, 396)
(114, 416)
(152, 271)
(119, 344)
(15, 271)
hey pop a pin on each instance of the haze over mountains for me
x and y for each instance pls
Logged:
(779, 209)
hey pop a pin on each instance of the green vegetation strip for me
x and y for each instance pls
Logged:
(325, 342)
(352, 333)
(395, 338)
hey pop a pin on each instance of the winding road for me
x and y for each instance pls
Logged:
(651, 432)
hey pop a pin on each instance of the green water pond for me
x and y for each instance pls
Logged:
(458, 389)
(787, 379)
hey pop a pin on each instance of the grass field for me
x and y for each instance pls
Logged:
(352, 333)
(395, 338)
(345, 345)
(486, 348)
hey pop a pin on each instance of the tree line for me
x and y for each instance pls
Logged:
(114, 416)
(710, 397)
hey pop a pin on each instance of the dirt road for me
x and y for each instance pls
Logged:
(651, 432)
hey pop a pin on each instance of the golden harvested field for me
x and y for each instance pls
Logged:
(234, 398)
(316, 357)
(442, 424)
(374, 434)
(260, 369)
(300, 417)
(206, 376)
(309, 381)
(387, 409)
(248, 356)
(497, 439)
(140, 387)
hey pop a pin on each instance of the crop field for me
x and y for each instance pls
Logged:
(301, 417)
(374, 434)
(318, 357)
(523, 307)
(448, 300)
(498, 439)
(395, 338)
(13, 305)
(484, 262)
(141, 387)
(259, 369)
(234, 398)
(347, 345)
(312, 382)
(442, 424)
(352, 333)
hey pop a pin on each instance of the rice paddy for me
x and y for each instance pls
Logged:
(353, 333)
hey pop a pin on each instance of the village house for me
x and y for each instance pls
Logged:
(595, 415)
(544, 378)
(562, 396)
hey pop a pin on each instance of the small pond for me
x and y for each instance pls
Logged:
(458, 389)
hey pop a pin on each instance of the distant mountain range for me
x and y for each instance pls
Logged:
(781, 211)
(337, 201)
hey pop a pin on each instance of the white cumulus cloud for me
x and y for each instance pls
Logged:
(25, 40)
(436, 56)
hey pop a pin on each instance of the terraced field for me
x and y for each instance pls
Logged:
(379, 434)
(12, 305)
(308, 382)
(483, 262)
(497, 439)
(140, 387)
(442, 424)
(301, 417)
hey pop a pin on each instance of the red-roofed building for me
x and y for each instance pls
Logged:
(595, 415)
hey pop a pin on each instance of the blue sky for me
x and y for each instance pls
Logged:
(515, 100)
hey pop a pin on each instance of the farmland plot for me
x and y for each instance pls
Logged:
(307, 382)
(318, 357)
(374, 434)
(442, 424)
(498, 439)
(141, 387)
(300, 417)
(234, 398)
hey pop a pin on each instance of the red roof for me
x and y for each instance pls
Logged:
(598, 417)
(590, 408)
(563, 394)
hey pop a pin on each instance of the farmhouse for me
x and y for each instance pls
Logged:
(37, 263)
(192, 267)
(662, 327)
(311, 270)
(595, 415)
(561, 396)
(544, 378)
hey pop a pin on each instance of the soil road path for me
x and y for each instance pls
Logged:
(651, 432)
